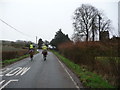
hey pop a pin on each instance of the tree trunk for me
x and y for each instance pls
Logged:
(87, 36)
(99, 27)
(93, 33)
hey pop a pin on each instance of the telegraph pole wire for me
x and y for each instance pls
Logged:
(15, 29)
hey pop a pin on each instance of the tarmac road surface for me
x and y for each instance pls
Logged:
(38, 73)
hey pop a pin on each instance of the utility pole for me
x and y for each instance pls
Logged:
(36, 39)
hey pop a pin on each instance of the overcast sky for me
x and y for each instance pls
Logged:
(42, 18)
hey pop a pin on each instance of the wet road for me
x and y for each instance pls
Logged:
(37, 74)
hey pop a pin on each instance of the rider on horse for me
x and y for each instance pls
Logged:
(31, 51)
(44, 52)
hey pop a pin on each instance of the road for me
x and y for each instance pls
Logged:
(38, 74)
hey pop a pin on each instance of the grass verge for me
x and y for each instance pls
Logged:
(10, 61)
(89, 79)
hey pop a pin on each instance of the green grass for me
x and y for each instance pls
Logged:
(89, 79)
(10, 61)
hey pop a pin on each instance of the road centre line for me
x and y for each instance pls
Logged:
(68, 74)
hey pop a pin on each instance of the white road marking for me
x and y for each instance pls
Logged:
(20, 72)
(14, 80)
(2, 71)
(23, 71)
(16, 71)
(5, 69)
(1, 75)
(68, 74)
(26, 69)
(11, 73)
(2, 82)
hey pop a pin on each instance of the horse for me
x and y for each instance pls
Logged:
(31, 52)
(44, 52)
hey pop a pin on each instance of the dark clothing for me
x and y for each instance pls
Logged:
(44, 52)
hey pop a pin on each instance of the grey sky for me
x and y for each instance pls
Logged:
(43, 18)
(119, 18)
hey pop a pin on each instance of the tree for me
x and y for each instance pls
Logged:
(94, 28)
(46, 43)
(59, 38)
(88, 23)
(104, 24)
(83, 17)
(27, 43)
(40, 42)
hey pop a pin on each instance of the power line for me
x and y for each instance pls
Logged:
(14, 28)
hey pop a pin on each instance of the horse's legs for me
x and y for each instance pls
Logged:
(31, 56)
(44, 57)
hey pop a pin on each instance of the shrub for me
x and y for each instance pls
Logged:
(6, 55)
(87, 53)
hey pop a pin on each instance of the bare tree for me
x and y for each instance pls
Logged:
(104, 24)
(89, 22)
(94, 28)
(83, 17)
